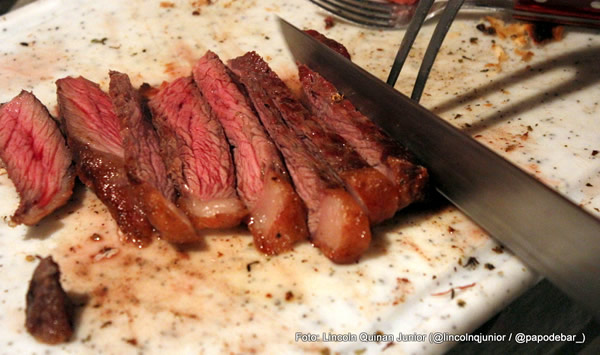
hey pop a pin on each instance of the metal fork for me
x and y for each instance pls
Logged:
(377, 14)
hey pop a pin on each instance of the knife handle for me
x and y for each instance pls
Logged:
(569, 12)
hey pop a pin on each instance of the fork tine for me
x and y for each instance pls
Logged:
(362, 16)
(387, 7)
(349, 6)
(409, 38)
(365, 8)
(434, 46)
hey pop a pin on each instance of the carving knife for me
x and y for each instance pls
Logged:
(551, 234)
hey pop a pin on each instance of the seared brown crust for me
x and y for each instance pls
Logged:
(36, 158)
(48, 314)
(377, 148)
(375, 192)
(365, 183)
(338, 225)
(331, 43)
(105, 174)
(92, 131)
(171, 222)
(144, 165)
(277, 217)
(344, 233)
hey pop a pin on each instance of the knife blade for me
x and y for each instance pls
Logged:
(544, 229)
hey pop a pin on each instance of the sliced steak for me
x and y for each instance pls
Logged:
(337, 224)
(144, 164)
(93, 135)
(369, 186)
(331, 43)
(377, 148)
(36, 158)
(277, 214)
(197, 155)
(48, 313)
(140, 140)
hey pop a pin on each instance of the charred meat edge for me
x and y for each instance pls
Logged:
(337, 224)
(36, 158)
(376, 147)
(277, 217)
(92, 130)
(374, 192)
(331, 43)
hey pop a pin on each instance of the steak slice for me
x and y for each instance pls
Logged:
(377, 148)
(197, 155)
(48, 314)
(331, 43)
(36, 158)
(144, 165)
(337, 224)
(277, 214)
(369, 186)
(92, 130)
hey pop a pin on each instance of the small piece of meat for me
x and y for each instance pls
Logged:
(36, 158)
(48, 314)
(375, 147)
(277, 214)
(370, 187)
(331, 43)
(144, 165)
(93, 134)
(329, 23)
(337, 223)
(197, 156)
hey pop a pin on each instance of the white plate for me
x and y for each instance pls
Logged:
(542, 115)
